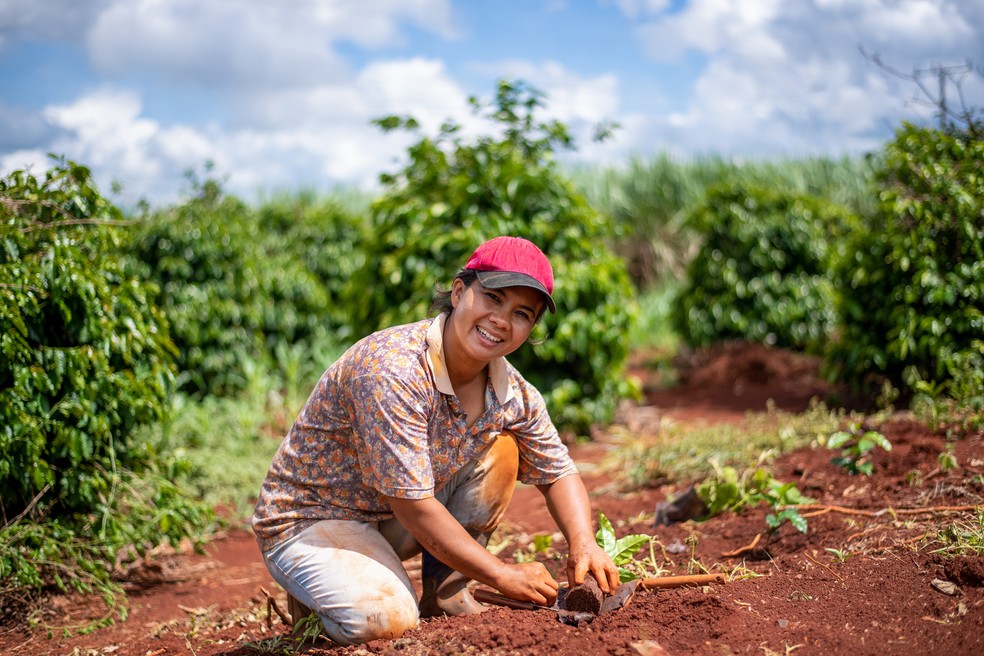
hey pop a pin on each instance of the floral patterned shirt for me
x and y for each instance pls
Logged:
(383, 421)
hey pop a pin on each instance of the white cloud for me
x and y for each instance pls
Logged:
(288, 109)
(635, 8)
(108, 126)
(315, 137)
(710, 26)
(218, 44)
(250, 43)
(578, 101)
(790, 76)
(32, 159)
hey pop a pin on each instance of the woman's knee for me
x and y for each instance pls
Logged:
(380, 621)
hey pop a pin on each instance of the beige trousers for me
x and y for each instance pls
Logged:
(351, 573)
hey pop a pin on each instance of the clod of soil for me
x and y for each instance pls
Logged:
(585, 598)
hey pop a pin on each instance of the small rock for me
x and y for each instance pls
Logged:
(783, 624)
(676, 548)
(945, 587)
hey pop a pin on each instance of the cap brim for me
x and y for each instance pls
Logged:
(500, 279)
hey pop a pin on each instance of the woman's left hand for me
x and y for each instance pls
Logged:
(592, 558)
(567, 500)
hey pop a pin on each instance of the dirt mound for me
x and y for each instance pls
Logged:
(743, 363)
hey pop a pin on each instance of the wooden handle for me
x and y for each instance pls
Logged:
(489, 597)
(681, 581)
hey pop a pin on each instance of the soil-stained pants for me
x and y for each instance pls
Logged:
(351, 573)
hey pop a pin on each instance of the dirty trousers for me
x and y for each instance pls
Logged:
(351, 573)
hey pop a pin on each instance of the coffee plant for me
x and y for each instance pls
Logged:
(233, 293)
(911, 281)
(762, 270)
(85, 363)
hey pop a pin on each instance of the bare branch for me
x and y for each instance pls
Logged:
(962, 119)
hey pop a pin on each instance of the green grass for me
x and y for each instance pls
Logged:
(230, 442)
(962, 538)
(686, 452)
(654, 329)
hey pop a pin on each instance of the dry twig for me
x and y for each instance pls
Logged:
(272, 603)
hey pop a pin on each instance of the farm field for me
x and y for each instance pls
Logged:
(866, 578)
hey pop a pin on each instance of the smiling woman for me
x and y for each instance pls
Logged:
(412, 443)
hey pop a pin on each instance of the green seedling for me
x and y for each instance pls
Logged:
(947, 459)
(621, 550)
(542, 542)
(839, 554)
(727, 491)
(791, 515)
(962, 538)
(856, 446)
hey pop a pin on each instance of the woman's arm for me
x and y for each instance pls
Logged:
(567, 501)
(441, 534)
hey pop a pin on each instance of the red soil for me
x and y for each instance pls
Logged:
(883, 597)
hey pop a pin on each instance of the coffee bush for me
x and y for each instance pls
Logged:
(762, 271)
(85, 365)
(232, 292)
(912, 279)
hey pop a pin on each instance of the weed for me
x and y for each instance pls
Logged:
(308, 629)
(962, 537)
(683, 452)
(840, 554)
(694, 565)
(306, 632)
(856, 445)
(741, 572)
(958, 400)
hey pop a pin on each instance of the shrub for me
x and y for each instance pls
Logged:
(232, 293)
(649, 200)
(86, 362)
(762, 271)
(451, 196)
(327, 239)
(912, 283)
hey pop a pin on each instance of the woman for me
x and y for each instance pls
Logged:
(413, 441)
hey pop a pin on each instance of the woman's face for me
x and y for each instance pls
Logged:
(491, 323)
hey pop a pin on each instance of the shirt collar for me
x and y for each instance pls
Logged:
(439, 368)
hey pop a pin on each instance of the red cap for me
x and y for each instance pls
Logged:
(513, 262)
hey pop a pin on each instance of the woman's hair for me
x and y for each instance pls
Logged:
(442, 297)
(441, 302)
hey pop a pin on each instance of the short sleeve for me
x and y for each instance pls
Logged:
(543, 457)
(390, 422)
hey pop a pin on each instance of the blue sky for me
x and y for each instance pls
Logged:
(279, 94)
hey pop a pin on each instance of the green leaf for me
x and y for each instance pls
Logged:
(793, 516)
(624, 548)
(839, 439)
(605, 537)
(879, 439)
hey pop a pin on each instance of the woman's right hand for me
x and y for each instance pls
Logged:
(528, 582)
